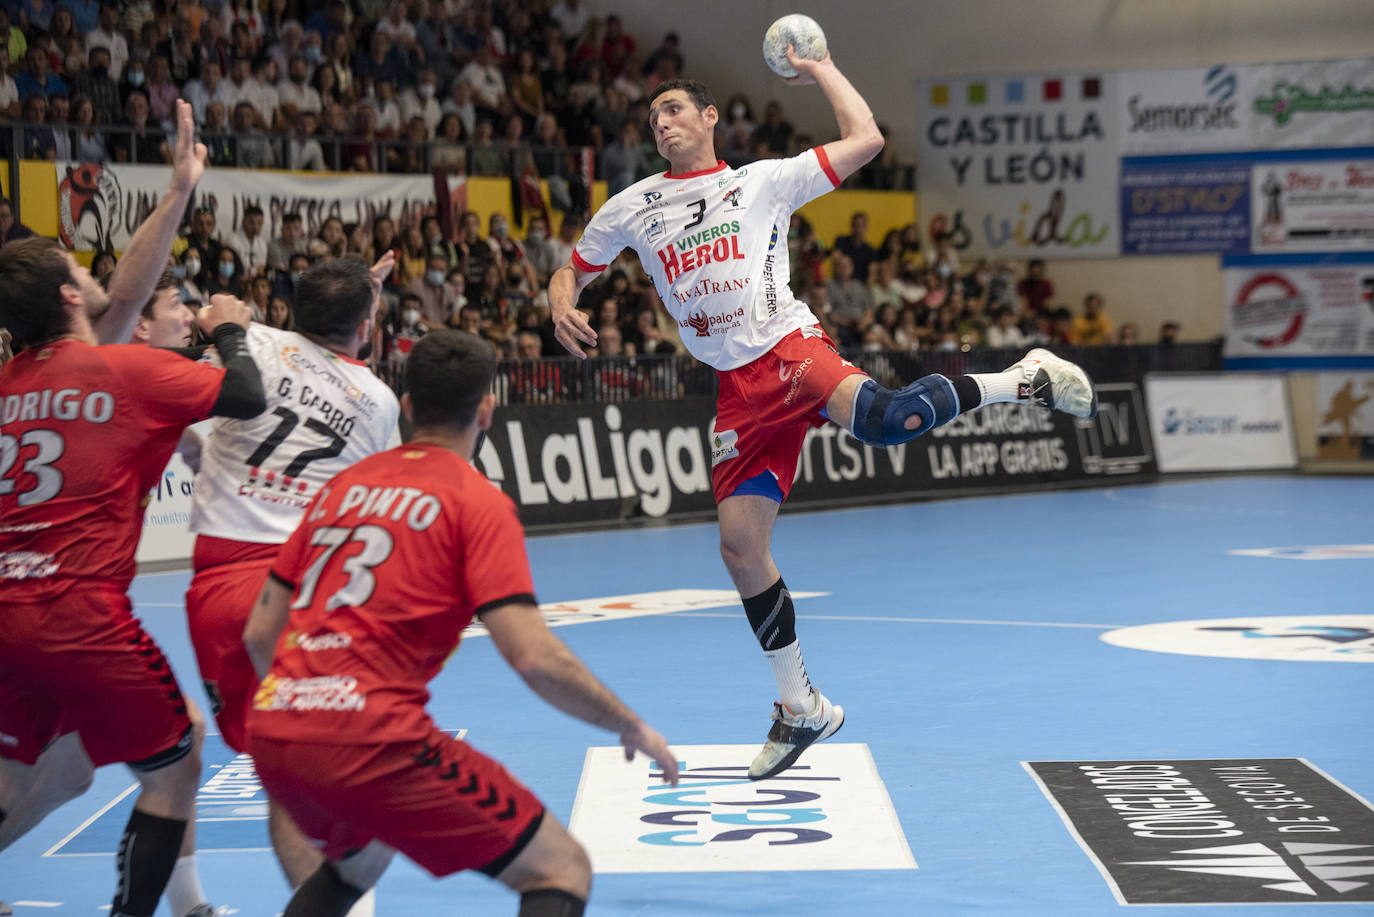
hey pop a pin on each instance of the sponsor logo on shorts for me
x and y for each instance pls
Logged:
(723, 446)
(797, 376)
(27, 565)
(323, 692)
(1216, 831)
(7, 739)
(313, 644)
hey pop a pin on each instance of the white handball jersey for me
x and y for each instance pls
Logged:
(324, 413)
(715, 243)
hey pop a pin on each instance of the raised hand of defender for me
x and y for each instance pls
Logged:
(806, 67)
(571, 327)
(379, 273)
(188, 160)
(223, 308)
(642, 738)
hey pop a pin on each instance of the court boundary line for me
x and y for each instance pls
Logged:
(896, 620)
(52, 851)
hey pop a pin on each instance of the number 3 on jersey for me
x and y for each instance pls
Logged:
(377, 545)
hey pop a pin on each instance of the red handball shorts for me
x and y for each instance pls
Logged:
(217, 608)
(764, 409)
(441, 802)
(82, 663)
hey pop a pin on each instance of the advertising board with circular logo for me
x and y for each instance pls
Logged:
(1302, 638)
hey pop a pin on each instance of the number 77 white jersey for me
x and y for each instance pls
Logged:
(324, 412)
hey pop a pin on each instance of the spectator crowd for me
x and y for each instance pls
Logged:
(483, 87)
(486, 87)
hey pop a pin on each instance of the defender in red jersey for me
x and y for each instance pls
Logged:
(84, 433)
(714, 241)
(365, 602)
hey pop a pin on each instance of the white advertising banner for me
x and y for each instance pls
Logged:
(1231, 422)
(1312, 206)
(101, 206)
(167, 516)
(1282, 310)
(1202, 109)
(1021, 167)
(1311, 104)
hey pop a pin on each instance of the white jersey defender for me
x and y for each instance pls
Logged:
(715, 243)
(324, 413)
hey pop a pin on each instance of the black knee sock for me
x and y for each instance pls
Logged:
(147, 852)
(551, 902)
(772, 616)
(324, 894)
(970, 395)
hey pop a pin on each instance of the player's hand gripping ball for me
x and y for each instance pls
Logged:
(802, 33)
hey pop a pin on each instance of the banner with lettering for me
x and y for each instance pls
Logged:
(1311, 104)
(1299, 311)
(102, 205)
(1313, 206)
(1021, 167)
(1200, 109)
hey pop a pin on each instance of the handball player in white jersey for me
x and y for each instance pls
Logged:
(326, 410)
(714, 241)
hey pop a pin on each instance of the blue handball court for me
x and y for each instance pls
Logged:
(1063, 704)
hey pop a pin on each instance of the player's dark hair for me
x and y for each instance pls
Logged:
(448, 373)
(165, 282)
(31, 272)
(332, 299)
(696, 91)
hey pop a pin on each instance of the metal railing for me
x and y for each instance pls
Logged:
(659, 377)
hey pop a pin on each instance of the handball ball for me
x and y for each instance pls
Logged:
(802, 32)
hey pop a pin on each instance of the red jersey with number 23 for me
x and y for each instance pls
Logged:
(84, 434)
(393, 559)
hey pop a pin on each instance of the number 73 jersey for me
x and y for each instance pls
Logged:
(324, 412)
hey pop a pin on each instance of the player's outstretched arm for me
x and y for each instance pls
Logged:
(556, 675)
(145, 259)
(270, 614)
(860, 140)
(241, 394)
(570, 327)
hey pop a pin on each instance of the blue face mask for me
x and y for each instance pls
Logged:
(136, 78)
(435, 277)
(314, 54)
(226, 269)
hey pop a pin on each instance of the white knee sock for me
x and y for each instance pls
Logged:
(789, 671)
(998, 386)
(183, 890)
(366, 906)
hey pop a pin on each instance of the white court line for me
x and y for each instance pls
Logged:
(709, 614)
(87, 823)
(36, 903)
(199, 851)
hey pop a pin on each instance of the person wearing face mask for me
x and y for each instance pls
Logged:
(422, 102)
(433, 292)
(403, 327)
(108, 36)
(538, 251)
(227, 273)
(288, 279)
(502, 243)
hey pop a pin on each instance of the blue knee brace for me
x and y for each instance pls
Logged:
(880, 413)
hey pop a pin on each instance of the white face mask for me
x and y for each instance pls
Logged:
(411, 316)
(426, 90)
(737, 111)
(192, 266)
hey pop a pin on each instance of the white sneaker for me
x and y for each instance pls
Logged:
(793, 733)
(1055, 383)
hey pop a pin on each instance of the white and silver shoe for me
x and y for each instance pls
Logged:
(1052, 382)
(793, 733)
